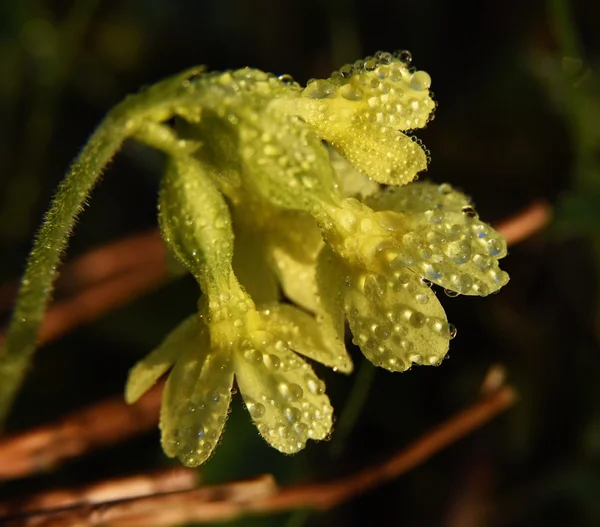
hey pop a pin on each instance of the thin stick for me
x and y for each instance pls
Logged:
(525, 223)
(102, 263)
(136, 486)
(95, 301)
(101, 424)
(234, 500)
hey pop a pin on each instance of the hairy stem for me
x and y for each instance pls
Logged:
(160, 102)
(50, 242)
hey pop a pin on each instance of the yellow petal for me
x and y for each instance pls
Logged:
(294, 241)
(397, 322)
(252, 267)
(195, 403)
(354, 183)
(285, 161)
(331, 276)
(360, 111)
(147, 371)
(286, 400)
(443, 239)
(303, 334)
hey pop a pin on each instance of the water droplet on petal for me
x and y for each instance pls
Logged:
(272, 362)
(494, 247)
(253, 356)
(452, 331)
(292, 414)
(291, 391)
(469, 211)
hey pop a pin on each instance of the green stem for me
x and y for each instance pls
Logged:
(354, 405)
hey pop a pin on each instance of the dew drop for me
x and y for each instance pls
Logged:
(404, 55)
(433, 271)
(315, 386)
(286, 79)
(272, 362)
(417, 319)
(420, 81)
(346, 70)
(351, 92)
(452, 331)
(256, 410)
(293, 415)
(383, 332)
(494, 247)
(320, 89)
(370, 64)
(253, 356)
(291, 391)
(469, 211)
(384, 57)
(422, 298)
(459, 252)
(445, 189)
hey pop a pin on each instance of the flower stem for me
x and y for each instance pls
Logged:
(36, 286)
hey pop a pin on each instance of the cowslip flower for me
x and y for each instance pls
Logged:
(229, 337)
(298, 175)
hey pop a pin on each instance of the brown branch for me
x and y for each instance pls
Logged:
(525, 223)
(136, 486)
(98, 425)
(99, 299)
(126, 254)
(101, 263)
(260, 496)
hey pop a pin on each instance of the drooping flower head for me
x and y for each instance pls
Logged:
(296, 173)
(230, 337)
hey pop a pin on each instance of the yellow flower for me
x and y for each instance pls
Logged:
(230, 336)
(284, 397)
(381, 262)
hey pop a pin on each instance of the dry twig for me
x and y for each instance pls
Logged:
(101, 424)
(144, 249)
(525, 223)
(139, 485)
(260, 496)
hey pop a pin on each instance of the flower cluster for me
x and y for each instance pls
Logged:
(298, 175)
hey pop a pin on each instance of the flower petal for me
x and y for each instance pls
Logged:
(303, 334)
(445, 243)
(397, 322)
(147, 371)
(331, 274)
(294, 241)
(360, 110)
(195, 403)
(419, 196)
(286, 400)
(252, 267)
(285, 161)
(354, 183)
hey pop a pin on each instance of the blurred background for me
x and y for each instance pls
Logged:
(518, 120)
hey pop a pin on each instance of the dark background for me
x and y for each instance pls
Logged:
(518, 120)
